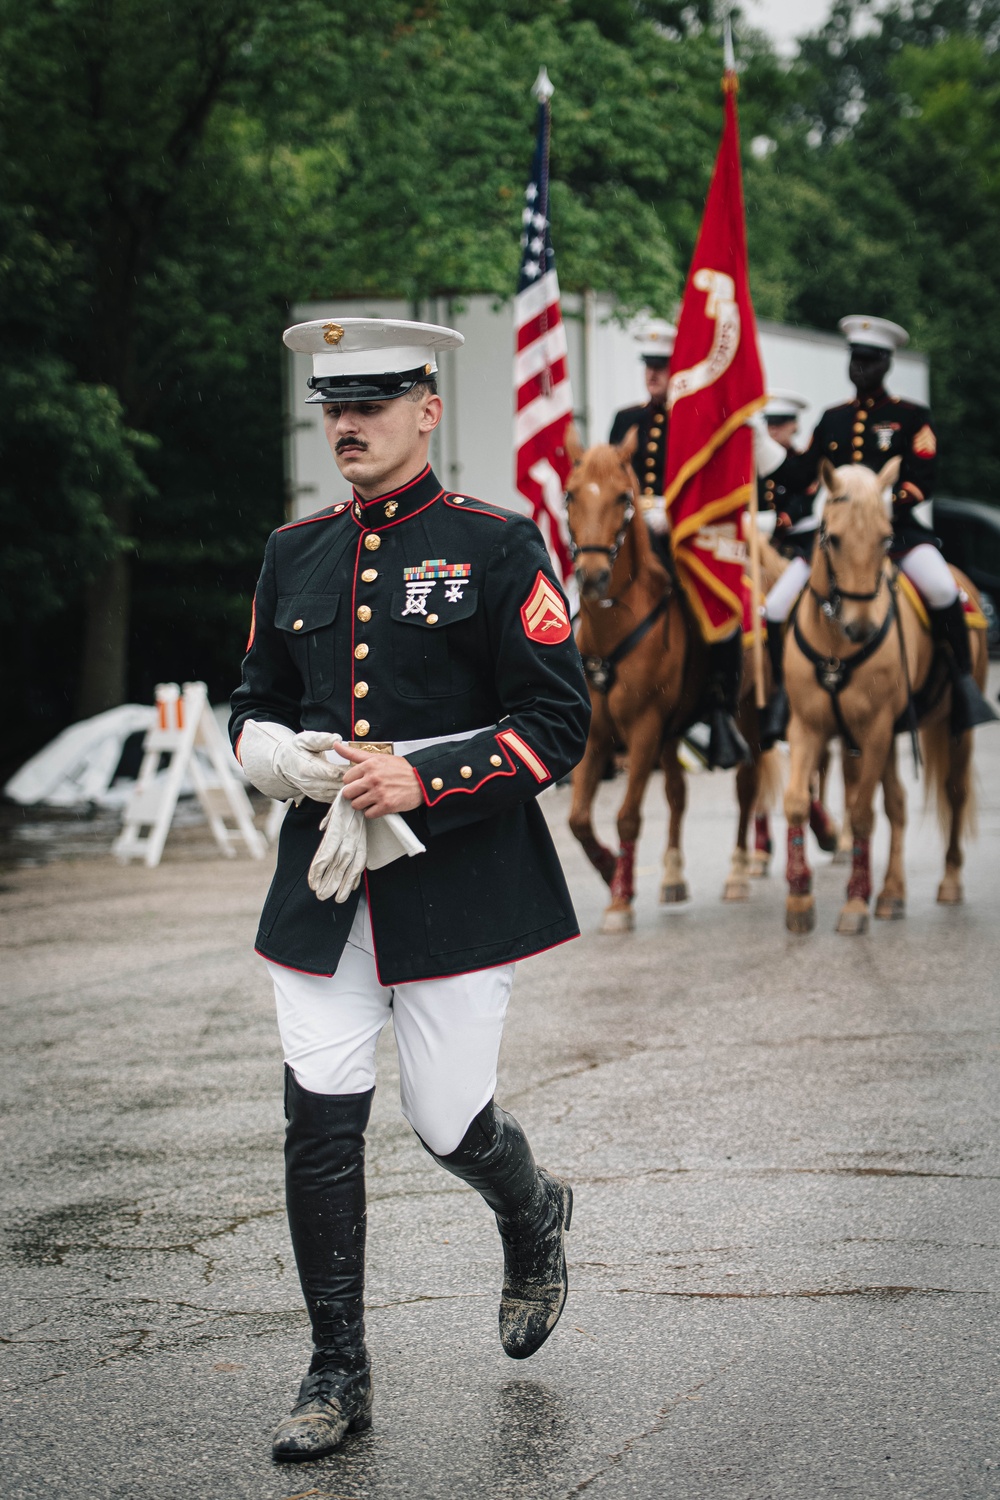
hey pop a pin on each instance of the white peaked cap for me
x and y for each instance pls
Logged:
(369, 359)
(656, 338)
(877, 333)
(784, 405)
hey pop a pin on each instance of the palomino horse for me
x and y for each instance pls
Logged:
(646, 665)
(854, 650)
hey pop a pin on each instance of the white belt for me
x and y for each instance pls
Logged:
(406, 747)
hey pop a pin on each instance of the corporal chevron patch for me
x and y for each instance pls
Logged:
(543, 613)
(925, 443)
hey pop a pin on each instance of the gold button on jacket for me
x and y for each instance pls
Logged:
(372, 542)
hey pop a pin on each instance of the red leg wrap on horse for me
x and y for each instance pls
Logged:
(859, 887)
(762, 834)
(623, 885)
(797, 871)
(819, 822)
(602, 858)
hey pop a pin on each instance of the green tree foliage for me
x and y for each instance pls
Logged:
(173, 177)
(882, 196)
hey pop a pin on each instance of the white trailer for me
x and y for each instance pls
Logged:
(472, 450)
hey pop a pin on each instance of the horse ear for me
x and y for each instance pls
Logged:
(889, 473)
(571, 442)
(831, 482)
(629, 444)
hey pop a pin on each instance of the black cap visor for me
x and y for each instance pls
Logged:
(870, 351)
(655, 361)
(344, 390)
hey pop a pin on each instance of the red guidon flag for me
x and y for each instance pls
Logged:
(716, 385)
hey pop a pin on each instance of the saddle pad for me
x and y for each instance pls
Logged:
(974, 617)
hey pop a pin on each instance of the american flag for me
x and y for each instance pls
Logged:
(543, 400)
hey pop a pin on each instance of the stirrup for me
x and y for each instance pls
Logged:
(726, 746)
(968, 706)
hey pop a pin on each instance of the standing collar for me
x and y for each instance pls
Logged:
(399, 504)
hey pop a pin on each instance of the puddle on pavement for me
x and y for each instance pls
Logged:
(32, 836)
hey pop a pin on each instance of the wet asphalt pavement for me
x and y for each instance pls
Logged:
(783, 1262)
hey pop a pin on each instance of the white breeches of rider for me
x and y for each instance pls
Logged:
(787, 589)
(923, 565)
(926, 568)
(447, 1031)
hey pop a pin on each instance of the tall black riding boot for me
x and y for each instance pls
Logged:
(325, 1194)
(726, 746)
(774, 715)
(533, 1212)
(968, 706)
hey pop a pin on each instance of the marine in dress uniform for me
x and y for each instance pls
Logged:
(870, 430)
(426, 627)
(656, 344)
(790, 506)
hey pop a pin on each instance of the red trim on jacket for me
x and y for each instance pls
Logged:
(447, 792)
(329, 515)
(366, 526)
(450, 499)
(389, 493)
(309, 973)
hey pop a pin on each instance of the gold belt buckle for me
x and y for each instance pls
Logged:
(377, 747)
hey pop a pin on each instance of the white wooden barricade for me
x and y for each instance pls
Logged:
(184, 723)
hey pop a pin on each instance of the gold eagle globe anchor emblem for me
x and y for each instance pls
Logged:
(332, 333)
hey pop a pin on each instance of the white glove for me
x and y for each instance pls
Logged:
(390, 837)
(654, 510)
(283, 764)
(768, 455)
(343, 850)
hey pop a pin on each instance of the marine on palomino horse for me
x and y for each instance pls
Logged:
(647, 667)
(860, 663)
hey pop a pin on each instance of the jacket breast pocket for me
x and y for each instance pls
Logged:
(307, 622)
(434, 652)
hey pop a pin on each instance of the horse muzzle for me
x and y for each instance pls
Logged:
(593, 584)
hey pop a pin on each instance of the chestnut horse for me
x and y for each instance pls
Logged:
(855, 648)
(646, 665)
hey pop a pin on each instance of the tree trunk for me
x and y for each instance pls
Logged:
(104, 668)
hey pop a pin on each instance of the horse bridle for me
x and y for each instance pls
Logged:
(611, 553)
(829, 604)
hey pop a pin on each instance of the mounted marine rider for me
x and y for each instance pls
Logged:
(794, 523)
(656, 344)
(656, 339)
(869, 430)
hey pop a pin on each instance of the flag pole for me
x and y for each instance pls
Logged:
(730, 85)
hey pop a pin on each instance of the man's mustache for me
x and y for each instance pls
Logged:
(351, 442)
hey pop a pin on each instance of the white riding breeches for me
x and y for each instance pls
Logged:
(787, 589)
(448, 1034)
(925, 567)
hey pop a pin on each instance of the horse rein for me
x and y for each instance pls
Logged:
(611, 553)
(829, 605)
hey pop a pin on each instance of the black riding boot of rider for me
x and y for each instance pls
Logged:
(968, 706)
(325, 1195)
(773, 719)
(533, 1211)
(726, 746)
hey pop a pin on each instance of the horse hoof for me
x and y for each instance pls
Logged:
(800, 914)
(852, 923)
(737, 888)
(618, 919)
(674, 895)
(950, 893)
(890, 908)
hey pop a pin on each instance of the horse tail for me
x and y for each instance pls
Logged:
(936, 745)
(772, 781)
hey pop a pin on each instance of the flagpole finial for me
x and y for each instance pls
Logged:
(730, 78)
(543, 87)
